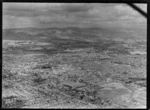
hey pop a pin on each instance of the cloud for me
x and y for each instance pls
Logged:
(30, 9)
(76, 7)
(18, 22)
(127, 15)
(125, 10)
(69, 14)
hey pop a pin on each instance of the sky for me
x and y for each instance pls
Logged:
(44, 15)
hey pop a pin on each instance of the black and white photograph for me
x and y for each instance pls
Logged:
(74, 55)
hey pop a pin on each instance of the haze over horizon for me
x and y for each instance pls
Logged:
(45, 15)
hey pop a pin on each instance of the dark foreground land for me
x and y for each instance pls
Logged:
(73, 68)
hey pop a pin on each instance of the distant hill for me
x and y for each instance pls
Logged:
(100, 39)
(70, 32)
(33, 33)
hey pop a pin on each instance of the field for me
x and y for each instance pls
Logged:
(37, 61)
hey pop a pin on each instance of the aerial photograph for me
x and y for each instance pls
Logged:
(74, 55)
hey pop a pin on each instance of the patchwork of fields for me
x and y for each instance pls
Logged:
(37, 62)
